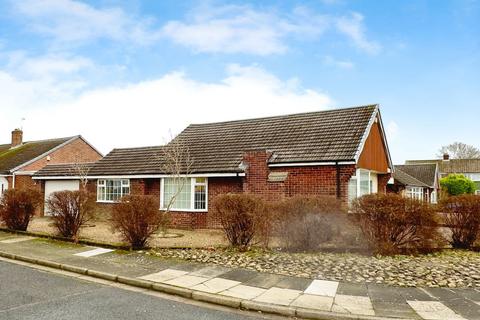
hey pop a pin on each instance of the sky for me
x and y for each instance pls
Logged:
(135, 73)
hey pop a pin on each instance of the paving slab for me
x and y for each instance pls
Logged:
(93, 252)
(322, 288)
(413, 294)
(243, 292)
(164, 275)
(353, 305)
(434, 310)
(264, 280)
(294, 283)
(216, 285)
(210, 271)
(279, 296)
(241, 275)
(352, 289)
(465, 307)
(311, 301)
(394, 309)
(186, 281)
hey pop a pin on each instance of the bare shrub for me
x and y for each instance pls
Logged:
(17, 207)
(242, 217)
(71, 210)
(304, 223)
(137, 217)
(463, 219)
(393, 224)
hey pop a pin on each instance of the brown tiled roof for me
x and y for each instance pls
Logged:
(11, 158)
(68, 169)
(426, 173)
(129, 161)
(401, 177)
(453, 165)
(333, 135)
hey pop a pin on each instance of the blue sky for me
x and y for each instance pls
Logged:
(132, 73)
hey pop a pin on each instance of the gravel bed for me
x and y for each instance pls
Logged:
(450, 268)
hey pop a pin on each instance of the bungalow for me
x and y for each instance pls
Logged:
(417, 181)
(20, 160)
(342, 153)
(446, 166)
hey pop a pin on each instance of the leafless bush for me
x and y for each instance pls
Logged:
(242, 217)
(463, 219)
(71, 210)
(137, 217)
(393, 224)
(304, 223)
(17, 207)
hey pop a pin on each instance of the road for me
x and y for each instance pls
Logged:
(28, 293)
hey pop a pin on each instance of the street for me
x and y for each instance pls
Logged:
(27, 293)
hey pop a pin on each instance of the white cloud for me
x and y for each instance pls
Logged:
(143, 113)
(241, 29)
(69, 21)
(353, 27)
(342, 64)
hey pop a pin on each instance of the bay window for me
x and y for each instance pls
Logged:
(362, 183)
(415, 193)
(112, 190)
(184, 194)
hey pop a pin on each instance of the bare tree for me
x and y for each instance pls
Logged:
(80, 169)
(459, 150)
(176, 162)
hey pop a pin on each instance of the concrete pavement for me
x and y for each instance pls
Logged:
(253, 290)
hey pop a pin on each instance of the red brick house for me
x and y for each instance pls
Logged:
(417, 181)
(342, 153)
(20, 160)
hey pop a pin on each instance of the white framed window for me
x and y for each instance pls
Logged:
(477, 192)
(362, 183)
(414, 193)
(191, 194)
(112, 190)
(433, 197)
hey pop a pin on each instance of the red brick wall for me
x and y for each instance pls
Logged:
(77, 150)
(308, 180)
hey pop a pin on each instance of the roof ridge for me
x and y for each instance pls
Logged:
(134, 148)
(289, 115)
(45, 140)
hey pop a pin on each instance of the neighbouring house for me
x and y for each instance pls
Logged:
(20, 160)
(417, 181)
(342, 153)
(446, 166)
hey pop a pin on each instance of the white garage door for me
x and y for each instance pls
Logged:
(60, 185)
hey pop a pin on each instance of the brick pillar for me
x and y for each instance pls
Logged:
(383, 181)
(256, 172)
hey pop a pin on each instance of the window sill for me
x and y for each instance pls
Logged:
(187, 210)
(107, 201)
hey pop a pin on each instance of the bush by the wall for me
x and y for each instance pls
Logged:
(457, 184)
(463, 219)
(17, 207)
(137, 217)
(242, 217)
(70, 211)
(304, 223)
(394, 224)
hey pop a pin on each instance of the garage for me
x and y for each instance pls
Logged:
(52, 186)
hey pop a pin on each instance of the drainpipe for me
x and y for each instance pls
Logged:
(13, 180)
(338, 180)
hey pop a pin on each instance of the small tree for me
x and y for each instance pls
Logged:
(80, 169)
(71, 210)
(392, 223)
(463, 219)
(457, 184)
(241, 217)
(17, 207)
(137, 217)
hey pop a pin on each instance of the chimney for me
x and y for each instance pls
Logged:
(446, 157)
(17, 137)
